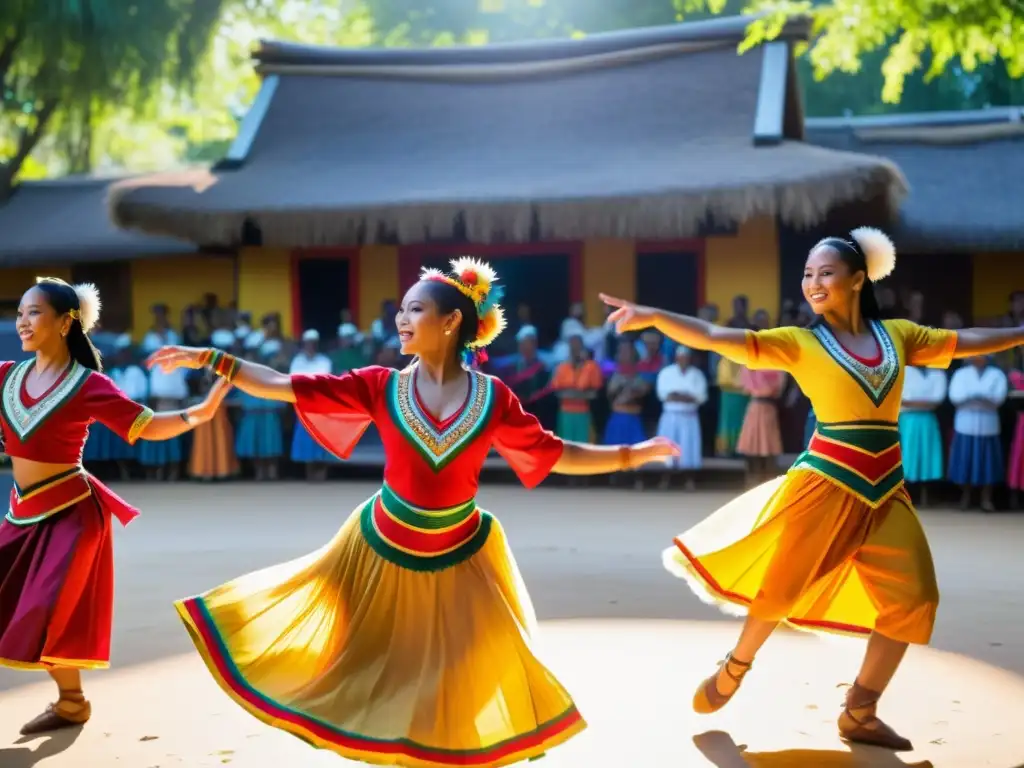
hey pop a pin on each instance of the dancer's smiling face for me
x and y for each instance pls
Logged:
(39, 324)
(829, 284)
(424, 327)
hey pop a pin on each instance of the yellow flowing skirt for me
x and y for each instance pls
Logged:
(799, 549)
(387, 665)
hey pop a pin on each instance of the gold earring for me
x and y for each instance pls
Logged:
(448, 332)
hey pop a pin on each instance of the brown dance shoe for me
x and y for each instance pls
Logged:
(859, 724)
(71, 710)
(708, 698)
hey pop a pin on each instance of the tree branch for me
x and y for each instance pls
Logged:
(7, 52)
(27, 142)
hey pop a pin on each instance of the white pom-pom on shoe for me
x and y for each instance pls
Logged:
(89, 305)
(879, 252)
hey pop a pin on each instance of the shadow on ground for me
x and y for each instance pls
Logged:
(723, 752)
(50, 745)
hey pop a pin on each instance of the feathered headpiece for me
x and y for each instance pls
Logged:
(476, 280)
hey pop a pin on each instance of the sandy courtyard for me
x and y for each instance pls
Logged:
(629, 640)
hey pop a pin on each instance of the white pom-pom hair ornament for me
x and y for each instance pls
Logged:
(89, 305)
(879, 252)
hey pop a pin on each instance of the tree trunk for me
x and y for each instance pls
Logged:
(26, 143)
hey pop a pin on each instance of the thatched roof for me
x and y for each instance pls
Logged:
(646, 134)
(62, 221)
(965, 170)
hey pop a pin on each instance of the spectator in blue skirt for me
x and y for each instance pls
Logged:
(260, 437)
(103, 445)
(306, 450)
(977, 389)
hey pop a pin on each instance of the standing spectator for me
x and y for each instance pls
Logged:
(160, 334)
(732, 406)
(627, 389)
(306, 450)
(213, 454)
(260, 428)
(924, 390)
(682, 389)
(167, 392)
(103, 444)
(760, 439)
(576, 383)
(977, 389)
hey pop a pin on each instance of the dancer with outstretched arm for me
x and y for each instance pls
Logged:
(835, 544)
(56, 542)
(406, 639)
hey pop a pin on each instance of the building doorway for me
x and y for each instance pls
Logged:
(324, 288)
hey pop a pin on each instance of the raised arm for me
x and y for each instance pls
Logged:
(689, 331)
(252, 378)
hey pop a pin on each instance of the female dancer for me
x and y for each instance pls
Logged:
(404, 641)
(834, 545)
(56, 554)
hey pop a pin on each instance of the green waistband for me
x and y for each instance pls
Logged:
(426, 519)
(871, 436)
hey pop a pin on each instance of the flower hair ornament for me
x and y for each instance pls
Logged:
(475, 280)
(89, 304)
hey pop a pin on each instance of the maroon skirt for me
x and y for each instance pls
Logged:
(57, 581)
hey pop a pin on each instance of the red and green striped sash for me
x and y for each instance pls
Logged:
(423, 539)
(862, 457)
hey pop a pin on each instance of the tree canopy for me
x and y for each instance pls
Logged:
(914, 35)
(95, 84)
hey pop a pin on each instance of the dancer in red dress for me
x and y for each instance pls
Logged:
(406, 639)
(56, 554)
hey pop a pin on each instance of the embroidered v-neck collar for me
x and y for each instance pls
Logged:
(877, 381)
(26, 419)
(439, 446)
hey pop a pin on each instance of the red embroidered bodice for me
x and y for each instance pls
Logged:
(429, 464)
(53, 428)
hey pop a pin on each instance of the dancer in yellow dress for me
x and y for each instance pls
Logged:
(834, 545)
(405, 640)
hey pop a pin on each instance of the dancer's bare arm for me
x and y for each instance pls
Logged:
(252, 378)
(688, 331)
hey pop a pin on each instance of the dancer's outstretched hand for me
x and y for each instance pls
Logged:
(627, 315)
(202, 413)
(171, 358)
(659, 450)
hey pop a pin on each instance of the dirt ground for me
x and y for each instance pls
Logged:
(629, 640)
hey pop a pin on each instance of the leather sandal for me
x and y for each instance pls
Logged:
(865, 727)
(71, 710)
(708, 698)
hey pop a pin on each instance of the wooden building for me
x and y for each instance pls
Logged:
(960, 232)
(654, 163)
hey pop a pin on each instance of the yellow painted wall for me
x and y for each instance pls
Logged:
(378, 280)
(177, 282)
(265, 284)
(744, 263)
(14, 281)
(609, 266)
(995, 276)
